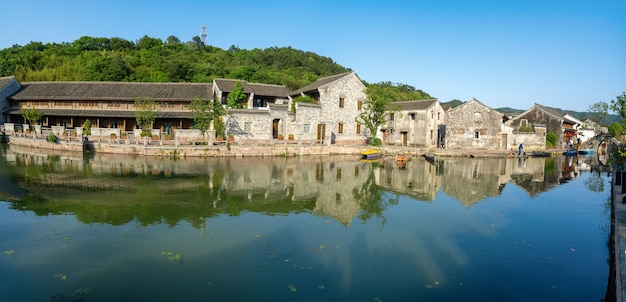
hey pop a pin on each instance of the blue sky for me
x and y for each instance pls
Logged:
(559, 53)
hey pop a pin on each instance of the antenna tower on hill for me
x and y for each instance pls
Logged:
(203, 34)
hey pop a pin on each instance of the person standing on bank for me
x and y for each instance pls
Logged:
(521, 148)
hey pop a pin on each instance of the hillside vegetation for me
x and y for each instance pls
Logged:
(153, 60)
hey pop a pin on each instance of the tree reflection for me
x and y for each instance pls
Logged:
(594, 183)
(371, 197)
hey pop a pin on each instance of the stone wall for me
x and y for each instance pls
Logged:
(475, 126)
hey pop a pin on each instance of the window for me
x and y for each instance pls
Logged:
(359, 105)
(412, 116)
(306, 128)
(476, 134)
(391, 116)
(523, 122)
(339, 173)
(358, 129)
(438, 116)
(247, 127)
(340, 130)
(341, 102)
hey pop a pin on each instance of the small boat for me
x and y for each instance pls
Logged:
(585, 151)
(431, 157)
(403, 157)
(570, 152)
(371, 154)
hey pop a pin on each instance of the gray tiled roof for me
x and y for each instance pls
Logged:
(227, 85)
(127, 91)
(320, 82)
(101, 113)
(413, 105)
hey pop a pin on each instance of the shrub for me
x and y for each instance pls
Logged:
(52, 138)
(87, 127)
(551, 140)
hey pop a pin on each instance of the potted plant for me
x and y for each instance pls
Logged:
(73, 133)
(113, 136)
(280, 137)
(290, 136)
(155, 137)
(219, 138)
(167, 137)
(124, 135)
(231, 138)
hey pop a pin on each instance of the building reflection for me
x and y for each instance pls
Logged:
(340, 187)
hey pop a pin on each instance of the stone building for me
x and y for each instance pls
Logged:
(267, 115)
(565, 128)
(415, 123)
(473, 125)
(338, 100)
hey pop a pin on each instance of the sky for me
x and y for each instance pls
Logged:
(567, 54)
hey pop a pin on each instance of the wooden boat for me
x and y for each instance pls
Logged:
(403, 157)
(431, 157)
(570, 152)
(371, 154)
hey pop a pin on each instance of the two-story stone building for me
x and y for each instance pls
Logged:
(473, 125)
(415, 123)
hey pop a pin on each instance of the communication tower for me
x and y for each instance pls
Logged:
(203, 34)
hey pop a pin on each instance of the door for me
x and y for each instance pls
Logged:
(275, 129)
(404, 138)
(321, 133)
(503, 143)
(441, 136)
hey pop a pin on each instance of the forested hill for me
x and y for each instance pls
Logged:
(154, 60)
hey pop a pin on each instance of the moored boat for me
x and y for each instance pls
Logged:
(371, 154)
(570, 152)
(431, 157)
(403, 157)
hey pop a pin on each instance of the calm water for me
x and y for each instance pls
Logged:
(116, 228)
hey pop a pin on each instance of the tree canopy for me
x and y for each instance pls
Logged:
(153, 60)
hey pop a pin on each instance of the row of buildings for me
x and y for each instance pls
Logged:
(269, 114)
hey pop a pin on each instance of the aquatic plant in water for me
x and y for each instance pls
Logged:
(9, 252)
(172, 256)
(60, 276)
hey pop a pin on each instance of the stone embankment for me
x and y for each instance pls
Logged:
(238, 149)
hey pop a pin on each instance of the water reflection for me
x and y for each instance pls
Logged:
(340, 187)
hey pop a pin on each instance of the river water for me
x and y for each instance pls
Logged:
(332, 228)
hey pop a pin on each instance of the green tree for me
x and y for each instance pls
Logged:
(619, 106)
(204, 112)
(616, 129)
(145, 114)
(375, 109)
(598, 111)
(236, 97)
(32, 115)
(301, 99)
